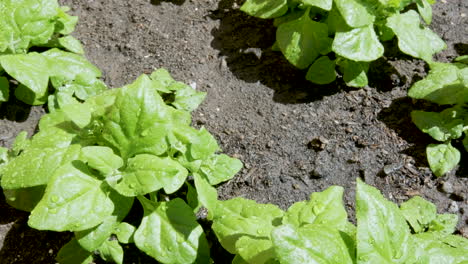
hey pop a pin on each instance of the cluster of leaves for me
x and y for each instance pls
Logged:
(324, 34)
(446, 84)
(318, 231)
(35, 48)
(89, 161)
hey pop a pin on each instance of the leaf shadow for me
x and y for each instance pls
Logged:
(14, 110)
(244, 44)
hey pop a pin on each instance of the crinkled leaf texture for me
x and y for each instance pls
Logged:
(442, 158)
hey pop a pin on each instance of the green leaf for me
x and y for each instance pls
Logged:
(37, 163)
(65, 23)
(220, 168)
(444, 224)
(442, 158)
(325, 208)
(67, 65)
(310, 244)
(26, 23)
(79, 208)
(354, 13)
(419, 213)
(265, 8)
(441, 126)
(240, 217)
(188, 99)
(382, 233)
(148, 173)
(192, 198)
(425, 10)
(124, 232)
(4, 89)
(412, 39)
(206, 194)
(92, 239)
(102, 159)
(24, 199)
(430, 249)
(323, 4)
(32, 70)
(72, 44)
(302, 40)
(111, 251)
(358, 44)
(171, 234)
(322, 71)
(354, 72)
(255, 250)
(73, 253)
(137, 122)
(442, 85)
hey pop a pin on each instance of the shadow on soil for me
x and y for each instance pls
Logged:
(176, 2)
(14, 110)
(245, 44)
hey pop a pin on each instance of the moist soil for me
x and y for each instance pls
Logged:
(293, 137)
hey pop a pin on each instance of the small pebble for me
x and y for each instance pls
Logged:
(447, 187)
(453, 208)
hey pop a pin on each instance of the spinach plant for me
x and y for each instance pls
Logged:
(318, 230)
(320, 35)
(92, 160)
(35, 48)
(446, 84)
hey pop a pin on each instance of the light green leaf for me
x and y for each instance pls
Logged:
(355, 13)
(412, 39)
(265, 8)
(442, 85)
(382, 233)
(124, 232)
(92, 239)
(26, 23)
(255, 250)
(111, 251)
(325, 208)
(148, 173)
(354, 72)
(72, 44)
(425, 10)
(73, 253)
(187, 98)
(206, 194)
(4, 89)
(302, 40)
(32, 70)
(310, 244)
(322, 71)
(202, 143)
(171, 234)
(323, 4)
(79, 208)
(441, 126)
(442, 158)
(444, 224)
(220, 168)
(419, 213)
(102, 159)
(137, 122)
(240, 217)
(65, 23)
(36, 164)
(67, 65)
(429, 248)
(358, 44)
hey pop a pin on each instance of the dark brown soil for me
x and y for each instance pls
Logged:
(293, 137)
